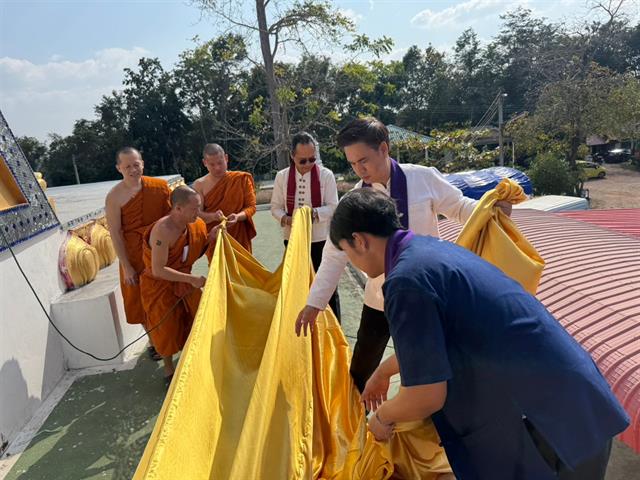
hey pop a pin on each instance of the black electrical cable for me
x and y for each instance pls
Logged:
(100, 359)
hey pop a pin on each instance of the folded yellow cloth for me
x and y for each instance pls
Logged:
(100, 239)
(250, 400)
(79, 262)
(492, 235)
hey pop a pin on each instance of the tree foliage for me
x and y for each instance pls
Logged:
(562, 85)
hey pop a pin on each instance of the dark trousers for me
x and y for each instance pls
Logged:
(373, 335)
(593, 468)
(316, 258)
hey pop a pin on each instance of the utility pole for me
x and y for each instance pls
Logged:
(501, 98)
(75, 168)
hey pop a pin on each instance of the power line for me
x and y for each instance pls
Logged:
(55, 327)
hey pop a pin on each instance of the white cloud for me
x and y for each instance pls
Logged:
(352, 15)
(38, 99)
(464, 13)
(395, 54)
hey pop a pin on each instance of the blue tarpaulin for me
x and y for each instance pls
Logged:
(475, 184)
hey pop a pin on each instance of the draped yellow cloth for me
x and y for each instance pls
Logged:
(250, 400)
(492, 235)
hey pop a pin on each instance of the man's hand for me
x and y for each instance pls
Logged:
(505, 206)
(381, 431)
(375, 391)
(210, 217)
(218, 216)
(213, 234)
(233, 219)
(286, 220)
(198, 282)
(306, 317)
(130, 275)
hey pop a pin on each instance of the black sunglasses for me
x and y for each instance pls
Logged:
(303, 161)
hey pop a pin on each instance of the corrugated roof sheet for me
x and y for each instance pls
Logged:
(397, 134)
(625, 221)
(591, 284)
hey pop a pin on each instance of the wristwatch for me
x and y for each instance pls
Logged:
(315, 218)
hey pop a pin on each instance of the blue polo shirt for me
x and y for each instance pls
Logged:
(456, 318)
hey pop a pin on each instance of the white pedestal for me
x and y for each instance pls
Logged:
(93, 318)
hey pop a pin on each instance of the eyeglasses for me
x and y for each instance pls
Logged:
(303, 161)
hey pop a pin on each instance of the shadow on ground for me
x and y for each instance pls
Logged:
(99, 429)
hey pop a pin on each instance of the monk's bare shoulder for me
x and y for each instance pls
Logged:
(160, 231)
(200, 184)
(117, 196)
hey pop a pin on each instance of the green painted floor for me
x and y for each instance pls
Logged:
(98, 430)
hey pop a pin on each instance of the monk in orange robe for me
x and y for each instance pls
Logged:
(226, 194)
(131, 206)
(170, 293)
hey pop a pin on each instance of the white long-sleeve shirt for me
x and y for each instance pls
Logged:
(328, 194)
(428, 194)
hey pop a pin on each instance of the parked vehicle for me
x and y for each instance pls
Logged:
(596, 157)
(591, 169)
(618, 155)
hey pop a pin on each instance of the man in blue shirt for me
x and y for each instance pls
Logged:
(511, 393)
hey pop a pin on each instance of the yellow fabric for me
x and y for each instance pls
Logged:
(80, 262)
(96, 234)
(101, 241)
(492, 235)
(250, 400)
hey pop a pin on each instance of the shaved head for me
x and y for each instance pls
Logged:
(212, 149)
(182, 195)
(127, 151)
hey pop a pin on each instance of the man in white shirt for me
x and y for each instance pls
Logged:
(306, 182)
(421, 193)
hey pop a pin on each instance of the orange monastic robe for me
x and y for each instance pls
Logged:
(234, 193)
(150, 204)
(172, 305)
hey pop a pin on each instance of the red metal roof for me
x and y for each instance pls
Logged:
(625, 221)
(591, 284)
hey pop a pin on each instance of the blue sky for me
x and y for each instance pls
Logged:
(58, 57)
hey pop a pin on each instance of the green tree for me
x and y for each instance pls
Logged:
(451, 151)
(157, 121)
(427, 91)
(551, 175)
(476, 79)
(280, 24)
(621, 120)
(212, 80)
(35, 151)
(572, 109)
(525, 56)
(58, 169)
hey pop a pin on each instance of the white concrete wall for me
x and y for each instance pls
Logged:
(31, 354)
